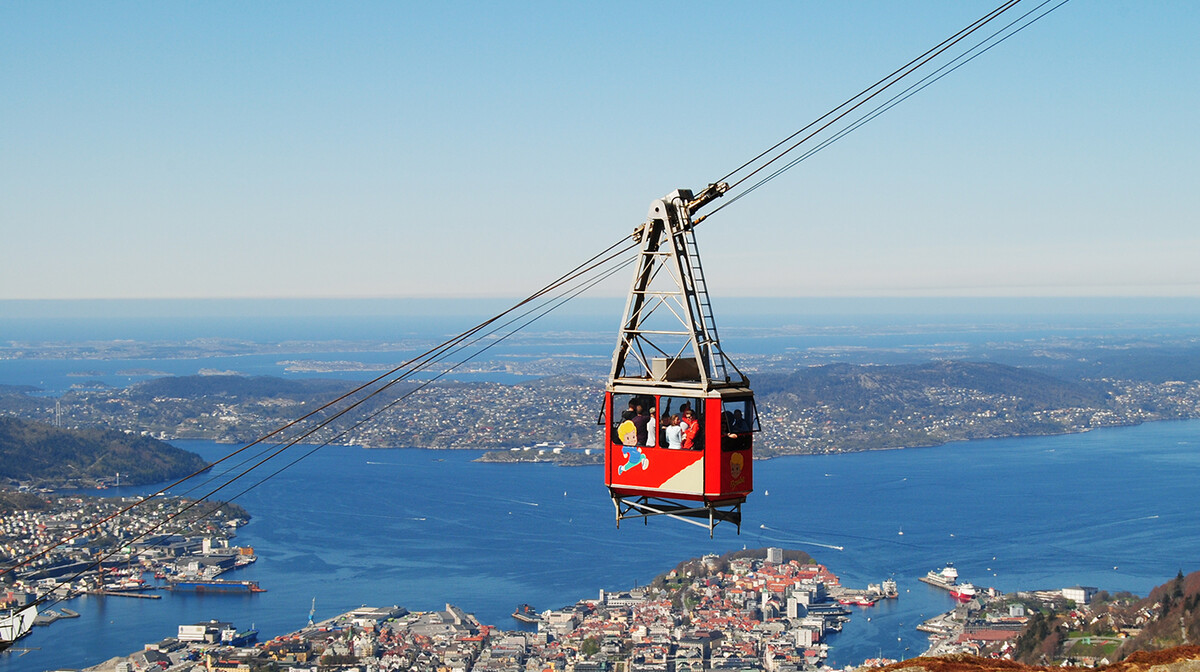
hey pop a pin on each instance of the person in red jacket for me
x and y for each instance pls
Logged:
(691, 427)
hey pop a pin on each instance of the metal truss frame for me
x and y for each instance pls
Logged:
(669, 287)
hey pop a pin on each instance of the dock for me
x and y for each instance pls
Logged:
(125, 593)
(937, 584)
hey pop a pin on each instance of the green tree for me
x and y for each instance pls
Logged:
(590, 646)
(337, 659)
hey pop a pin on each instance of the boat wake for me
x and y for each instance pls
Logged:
(798, 541)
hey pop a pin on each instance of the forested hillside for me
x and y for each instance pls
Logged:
(38, 452)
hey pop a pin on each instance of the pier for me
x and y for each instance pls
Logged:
(124, 593)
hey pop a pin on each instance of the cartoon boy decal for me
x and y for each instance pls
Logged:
(635, 458)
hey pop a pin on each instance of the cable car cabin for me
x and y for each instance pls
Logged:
(676, 452)
(679, 417)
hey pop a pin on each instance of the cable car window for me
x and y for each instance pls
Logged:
(634, 420)
(738, 416)
(682, 423)
(738, 422)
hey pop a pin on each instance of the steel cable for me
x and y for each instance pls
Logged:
(945, 69)
(414, 364)
(554, 303)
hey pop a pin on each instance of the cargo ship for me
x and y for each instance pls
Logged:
(216, 586)
(526, 614)
(945, 578)
(963, 593)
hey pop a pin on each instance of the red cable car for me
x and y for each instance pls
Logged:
(679, 417)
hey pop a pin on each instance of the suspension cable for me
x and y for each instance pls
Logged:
(961, 33)
(553, 304)
(947, 68)
(970, 54)
(414, 364)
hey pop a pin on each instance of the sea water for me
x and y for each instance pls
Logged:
(1113, 508)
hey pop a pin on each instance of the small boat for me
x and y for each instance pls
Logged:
(861, 601)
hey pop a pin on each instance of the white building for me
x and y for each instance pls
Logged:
(203, 632)
(1080, 595)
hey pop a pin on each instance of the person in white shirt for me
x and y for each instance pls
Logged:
(674, 434)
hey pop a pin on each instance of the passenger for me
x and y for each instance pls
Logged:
(727, 424)
(674, 432)
(651, 430)
(640, 421)
(691, 427)
(631, 411)
(739, 424)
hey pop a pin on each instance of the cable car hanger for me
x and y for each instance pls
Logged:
(679, 416)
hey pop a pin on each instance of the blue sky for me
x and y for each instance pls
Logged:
(180, 150)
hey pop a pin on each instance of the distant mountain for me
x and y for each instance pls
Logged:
(881, 389)
(849, 407)
(38, 452)
(831, 408)
(10, 500)
(1121, 359)
(560, 380)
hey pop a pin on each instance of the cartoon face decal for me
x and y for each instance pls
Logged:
(735, 466)
(627, 433)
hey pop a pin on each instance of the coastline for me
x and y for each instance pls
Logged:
(429, 527)
(575, 458)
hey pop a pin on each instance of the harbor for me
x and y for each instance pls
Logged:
(874, 592)
(140, 569)
(946, 578)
